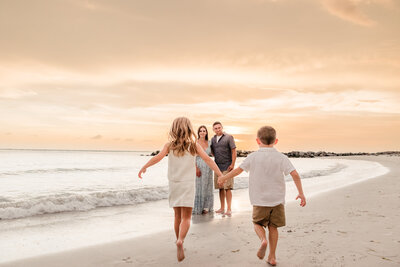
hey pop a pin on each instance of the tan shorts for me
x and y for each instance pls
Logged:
(265, 216)
(227, 185)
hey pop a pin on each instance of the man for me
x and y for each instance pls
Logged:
(223, 149)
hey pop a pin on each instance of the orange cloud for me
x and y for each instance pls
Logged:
(351, 10)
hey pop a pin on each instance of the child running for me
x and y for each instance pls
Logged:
(182, 150)
(267, 188)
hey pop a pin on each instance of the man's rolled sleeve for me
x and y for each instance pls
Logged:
(232, 144)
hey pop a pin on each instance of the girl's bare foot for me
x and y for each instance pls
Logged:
(262, 249)
(271, 261)
(220, 211)
(205, 212)
(179, 250)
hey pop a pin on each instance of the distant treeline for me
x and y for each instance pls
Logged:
(311, 154)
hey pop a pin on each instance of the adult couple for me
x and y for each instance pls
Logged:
(222, 147)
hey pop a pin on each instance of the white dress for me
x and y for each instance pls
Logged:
(181, 180)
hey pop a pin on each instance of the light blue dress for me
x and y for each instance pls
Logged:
(204, 198)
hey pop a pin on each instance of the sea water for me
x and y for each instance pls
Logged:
(52, 201)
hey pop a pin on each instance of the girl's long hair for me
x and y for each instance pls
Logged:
(182, 137)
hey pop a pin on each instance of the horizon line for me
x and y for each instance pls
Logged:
(105, 150)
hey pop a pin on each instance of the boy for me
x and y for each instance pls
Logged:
(267, 188)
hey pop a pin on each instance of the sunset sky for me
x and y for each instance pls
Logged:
(113, 75)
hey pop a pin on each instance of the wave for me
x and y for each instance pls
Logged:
(243, 182)
(316, 173)
(60, 170)
(87, 201)
(79, 202)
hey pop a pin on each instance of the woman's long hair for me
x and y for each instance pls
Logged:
(198, 132)
(182, 137)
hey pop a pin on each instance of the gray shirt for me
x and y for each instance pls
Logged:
(222, 150)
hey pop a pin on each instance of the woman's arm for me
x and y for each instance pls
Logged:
(208, 160)
(198, 172)
(154, 160)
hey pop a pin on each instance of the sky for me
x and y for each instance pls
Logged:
(112, 75)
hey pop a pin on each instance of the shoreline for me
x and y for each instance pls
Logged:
(334, 229)
(240, 153)
(311, 154)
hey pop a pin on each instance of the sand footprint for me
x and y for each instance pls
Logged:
(127, 260)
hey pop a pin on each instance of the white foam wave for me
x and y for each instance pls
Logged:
(83, 201)
(79, 202)
(317, 173)
(242, 182)
(58, 170)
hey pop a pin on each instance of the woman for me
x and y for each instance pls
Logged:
(204, 198)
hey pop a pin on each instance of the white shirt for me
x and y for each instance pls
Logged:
(267, 168)
(218, 137)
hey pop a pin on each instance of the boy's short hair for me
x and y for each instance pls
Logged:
(267, 135)
(217, 122)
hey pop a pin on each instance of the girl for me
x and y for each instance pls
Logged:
(182, 150)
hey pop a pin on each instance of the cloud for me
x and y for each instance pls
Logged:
(13, 93)
(351, 10)
(97, 137)
(369, 100)
(348, 10)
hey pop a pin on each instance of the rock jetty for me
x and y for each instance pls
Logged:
(312, 154)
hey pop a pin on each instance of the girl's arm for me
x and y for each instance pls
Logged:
(154, 160)
(208, 160)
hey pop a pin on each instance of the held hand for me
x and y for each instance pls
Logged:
(142, 170)
(221, 181)
(198, 172)
(302, 198)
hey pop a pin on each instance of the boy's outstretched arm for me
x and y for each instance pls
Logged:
(297, 182)
(231, 174)
(154, 160)
(208, 160)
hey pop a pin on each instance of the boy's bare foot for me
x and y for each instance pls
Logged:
(271, 261)
(179, 250)
(262, 249)
(220, 211)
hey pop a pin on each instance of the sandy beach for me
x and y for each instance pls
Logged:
(352, 226)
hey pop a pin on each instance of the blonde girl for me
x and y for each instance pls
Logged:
(182, 150)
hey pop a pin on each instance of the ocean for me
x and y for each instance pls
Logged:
(57, 200)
